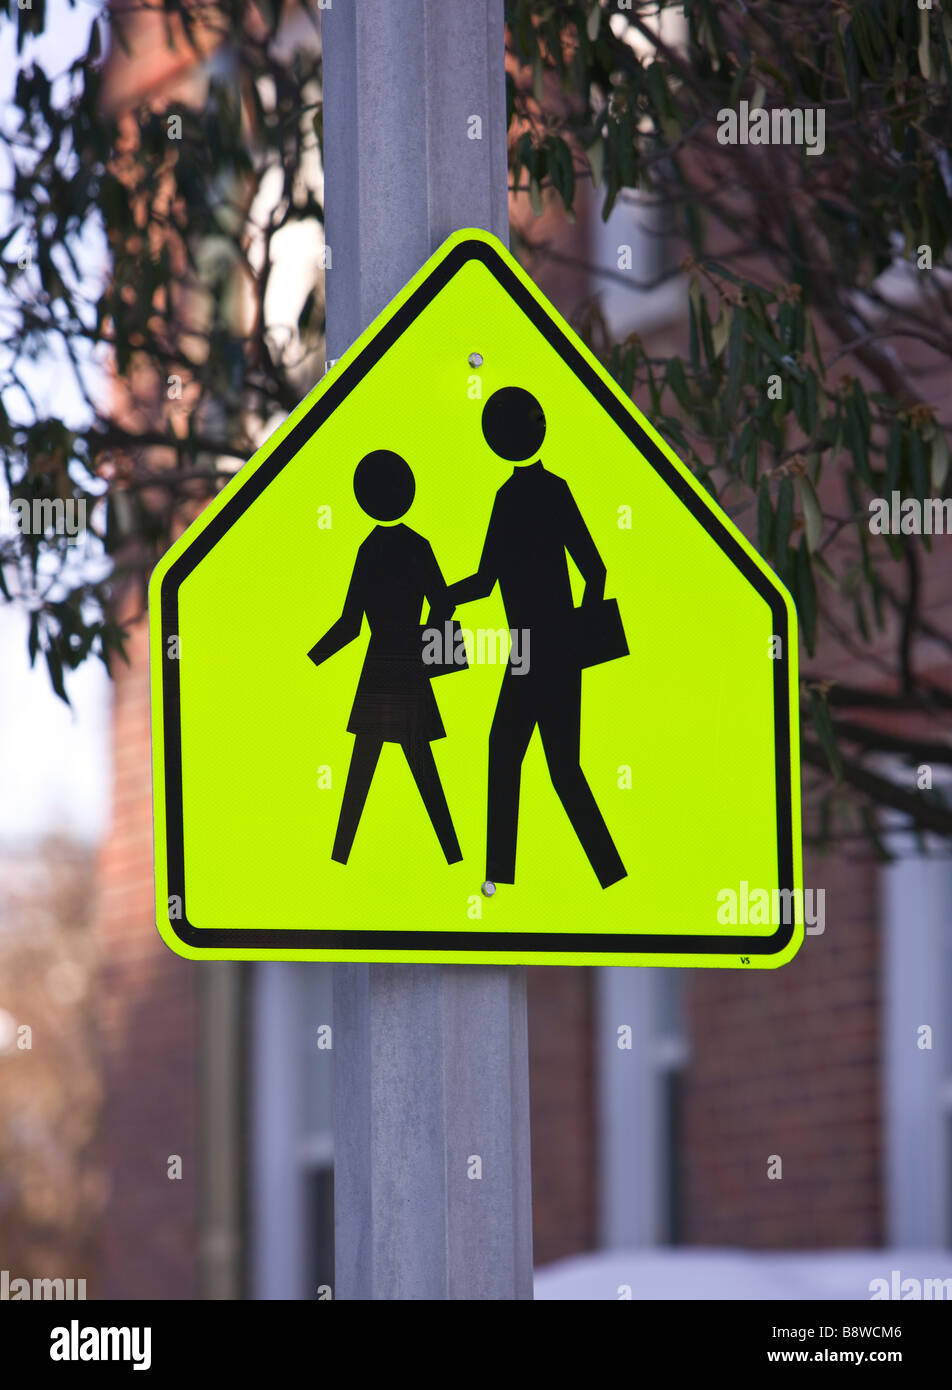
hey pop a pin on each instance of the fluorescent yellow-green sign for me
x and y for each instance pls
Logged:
(465, 666)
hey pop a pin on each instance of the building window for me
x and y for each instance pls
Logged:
(642, 1052)
(291, 1195)
(917, 983)
(634, 269)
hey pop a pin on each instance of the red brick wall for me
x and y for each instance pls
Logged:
(788, 1063)
(149, 997)
(562, 1108)
(148, 1001)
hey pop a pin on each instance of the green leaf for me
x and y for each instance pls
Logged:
(674, 376)
(812, 512)
(694, 349)
(825, 732)
(848, 58)
(538, 76)
(853, 66)
(806, 596)
(815, 345)
(923, 50)
(716, 268)
(946, 25)
(520, 157)
(737, 360)
(55, 667)
(810, 407)
(826, 574)
(855, 440)
(720, 330)
(784, 523)
(773, 71)
(893, 459)
(772, 348)
(707, 341)
(764, 518)
(861, 28)
(919, 474)
(862, 409)
(596, 160)
(307, 309)
(740, 77)
(562, 171)
(94, 51)
(940, 461)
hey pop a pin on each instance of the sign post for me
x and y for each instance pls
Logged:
(431, 1113)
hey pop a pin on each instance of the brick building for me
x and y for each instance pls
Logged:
(666, 1142)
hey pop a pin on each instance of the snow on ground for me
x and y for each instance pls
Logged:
(745, 1274)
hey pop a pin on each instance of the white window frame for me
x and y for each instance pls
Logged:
(917, 990)
(634, 1167)
(284, 1152)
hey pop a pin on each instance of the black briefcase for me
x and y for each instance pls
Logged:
(598, 633)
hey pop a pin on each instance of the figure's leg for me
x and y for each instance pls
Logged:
(560, 731)
(363, 764)
(509, 738)
(419, 755)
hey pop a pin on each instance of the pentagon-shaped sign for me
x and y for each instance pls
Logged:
(465, 666)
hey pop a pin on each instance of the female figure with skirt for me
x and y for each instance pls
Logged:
(394, 571)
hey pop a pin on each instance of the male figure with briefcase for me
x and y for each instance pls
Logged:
(534, 522)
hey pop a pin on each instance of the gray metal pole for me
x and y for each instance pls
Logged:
(430, 1062)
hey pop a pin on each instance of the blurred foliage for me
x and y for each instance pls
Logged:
(176, 148)
(781, 250)
(191, 183)
(52, 1187)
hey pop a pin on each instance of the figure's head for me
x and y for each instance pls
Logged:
(384, 485)
(513, 424)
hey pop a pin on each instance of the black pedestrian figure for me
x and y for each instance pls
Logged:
(534, 521)
(394, 570)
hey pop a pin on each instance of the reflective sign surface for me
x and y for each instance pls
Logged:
(465, 666)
